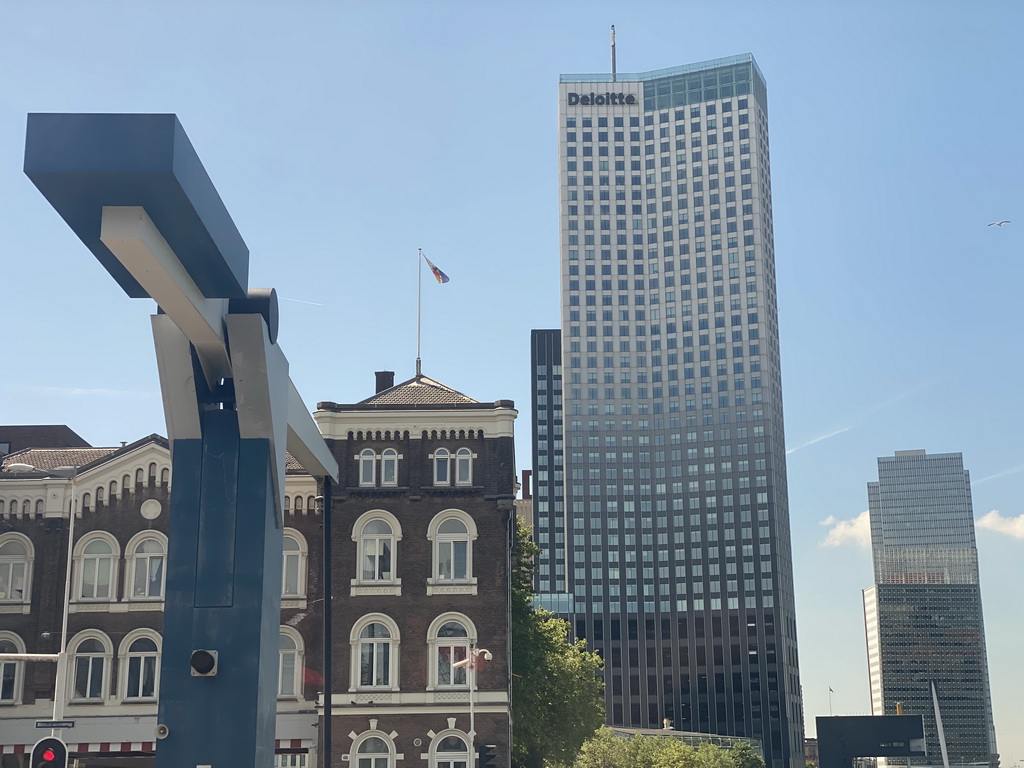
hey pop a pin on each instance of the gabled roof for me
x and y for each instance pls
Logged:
(49, 459)
(419, 390)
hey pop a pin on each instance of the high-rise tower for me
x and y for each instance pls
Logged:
(675, 519)
(923, 614)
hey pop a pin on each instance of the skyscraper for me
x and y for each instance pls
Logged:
(674, 508)
(923, 614)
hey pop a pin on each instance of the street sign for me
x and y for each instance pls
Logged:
(55, 723)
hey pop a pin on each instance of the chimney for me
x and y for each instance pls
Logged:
(385, 380)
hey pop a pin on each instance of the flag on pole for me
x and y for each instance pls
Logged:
(440, 276)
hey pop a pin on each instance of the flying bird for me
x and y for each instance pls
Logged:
(999, 223)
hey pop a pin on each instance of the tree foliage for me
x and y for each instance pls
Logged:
(605, 750)
(557, 701)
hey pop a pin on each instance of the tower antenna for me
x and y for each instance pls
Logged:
(613, 53)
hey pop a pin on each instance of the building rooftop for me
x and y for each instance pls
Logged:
(17, 437)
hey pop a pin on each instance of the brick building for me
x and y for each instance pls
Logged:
(422, 534)
(420, 546)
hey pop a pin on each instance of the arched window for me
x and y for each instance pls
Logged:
(39, 507)
(452, 533)
(311, 503)
(374, 641)
(91, 653)
(298, 504)
(145, 568)
(450, 751)
(138, 476)
(99, 495)
(12, 673)
(287, 503)
(389, 467)
(290, 665)
(152, 473)
(96, 555)
(377, 534)
(140, 665)
(373, 752)
(293, 572)
(165, 476)
(16, 555)
(463, 467)
(452, 549)
(26, 507)
(113, 490)
(367, 468)
(86, 501)
(449, 639)
(126, 484)
(378, 544)
(442, 467)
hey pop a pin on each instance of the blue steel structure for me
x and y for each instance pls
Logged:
(135, 192)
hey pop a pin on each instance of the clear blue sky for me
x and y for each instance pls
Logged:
(343, 136)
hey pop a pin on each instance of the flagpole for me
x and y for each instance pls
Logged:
(830, 702)
(419, 305)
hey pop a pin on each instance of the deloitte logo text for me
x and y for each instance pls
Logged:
(600, 99)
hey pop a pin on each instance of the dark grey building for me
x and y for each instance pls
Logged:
(923, 615)
(678, 556)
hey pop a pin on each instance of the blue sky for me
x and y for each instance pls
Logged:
(344, 136)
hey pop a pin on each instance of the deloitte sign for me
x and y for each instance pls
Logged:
(600, 99)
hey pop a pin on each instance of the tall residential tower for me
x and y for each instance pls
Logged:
(923, 614)
(673, 532)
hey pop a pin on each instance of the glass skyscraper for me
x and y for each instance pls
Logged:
(662, 512)
(923, 615)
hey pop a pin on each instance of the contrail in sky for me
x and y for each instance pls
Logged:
(1005, 472)
(300, 301)
(818, 439)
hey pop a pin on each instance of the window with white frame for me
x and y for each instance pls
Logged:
(373, 752)
(289, 683)
(442, 467)
(297, 760)
(11, 672)
(140, 666)
(452, 548)
(16, 556)
(389, 467)
(377, 545)
(463, 467)
(91, 654)
(451, 645)
(96, 555)
(375, 639)
(367, 468)
(293, 572)
(450, 751)
(147, 556)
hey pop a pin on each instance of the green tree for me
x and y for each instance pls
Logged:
(557, 701)
(744, 756)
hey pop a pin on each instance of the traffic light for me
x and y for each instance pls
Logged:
(204, 663)
(50, 752)
(487, 755)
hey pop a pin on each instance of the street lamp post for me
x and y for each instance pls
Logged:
(470, 663)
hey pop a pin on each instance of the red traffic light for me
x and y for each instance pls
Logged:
(49, 752)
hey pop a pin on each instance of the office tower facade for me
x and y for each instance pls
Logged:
(923, 615)
(675, 504)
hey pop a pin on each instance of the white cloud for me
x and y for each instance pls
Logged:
(1011, 526)
(856, 531)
